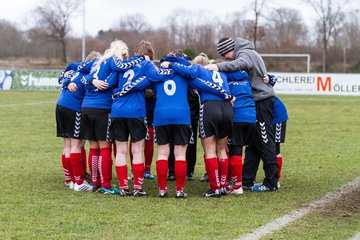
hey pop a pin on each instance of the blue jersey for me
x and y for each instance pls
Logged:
(132, 105)
(73, 100)
(107, 72)
(171, 105)
(198, 72)
(72, 66)
(244, 105)
(280, 112)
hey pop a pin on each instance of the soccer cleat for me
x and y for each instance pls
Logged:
(139, 193)
(124, 192)
(278, 185)
(96, 188)
(110, 191)
(233, 191)
(263, 188)
(190, 177)
(71, 185)
(148, 175)
(181, 194)
(84, 187)
(223, 191)
(162, 193)
(210, 193)
(67, 184)
(204, 178)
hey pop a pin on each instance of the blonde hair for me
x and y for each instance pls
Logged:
(117, 49)
(202, 59)
(92, 55)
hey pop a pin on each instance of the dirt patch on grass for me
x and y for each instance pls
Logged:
(347, 206)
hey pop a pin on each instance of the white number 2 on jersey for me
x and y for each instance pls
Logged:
(170, 87)
(129, 74)
(217, 78)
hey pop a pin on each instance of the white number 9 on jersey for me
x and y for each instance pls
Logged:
(169, 87)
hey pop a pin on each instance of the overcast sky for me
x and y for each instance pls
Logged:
(104, 14)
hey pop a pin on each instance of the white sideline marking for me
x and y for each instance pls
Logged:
(291, 217)
(24, 104)
(356, 236)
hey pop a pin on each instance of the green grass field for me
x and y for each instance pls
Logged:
(321, 153)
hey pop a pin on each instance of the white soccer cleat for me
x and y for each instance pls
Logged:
(84, 187)
(71, 185)
(233, 191)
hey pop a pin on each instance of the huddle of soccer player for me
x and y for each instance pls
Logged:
(103, 101)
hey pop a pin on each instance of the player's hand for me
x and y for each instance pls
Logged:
(68, 73)
(233, 100)
(266, 79)
(213, 67)
(101, 85)
(72, 87)
(165, 64)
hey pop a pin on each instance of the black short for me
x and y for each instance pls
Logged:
(280, 132)
(243, 134)
(68, 123)
(173, 134)
(95, 124)
(216, 118)
(121, 128)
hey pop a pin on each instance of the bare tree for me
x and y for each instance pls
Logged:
(53, 18)
(135, 22)
(287, 30)
(258, 6)
(329, 13)
(11, 40)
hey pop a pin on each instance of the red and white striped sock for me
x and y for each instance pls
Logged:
(236, 168)
(77, 166)
(161, 171)
(71, 174)
(105, 167)
(138, 171)
(93, 162)
(122, 175)
(212, 170)
(223, 171)
(180, 174)
(65, 168)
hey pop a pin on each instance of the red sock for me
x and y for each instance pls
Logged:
(149, 149)
(65, 168)
(83, 154)
(71, 174)
(236, 168)
(223, 171)
(138, 171)
(212, 170)
(122, 175)
(93, 162)
(161, 171)
(77, 167)
(105, 166)
(280, 162)
(180, 174)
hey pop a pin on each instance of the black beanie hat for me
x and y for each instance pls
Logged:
(225, 45)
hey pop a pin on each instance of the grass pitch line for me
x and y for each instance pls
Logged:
(25, 104)
(281, 222)
(356, 237)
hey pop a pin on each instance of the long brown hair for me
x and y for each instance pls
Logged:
(145, 48)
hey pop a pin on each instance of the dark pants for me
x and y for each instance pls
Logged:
(262, 148)
(190, 152)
